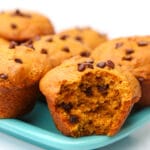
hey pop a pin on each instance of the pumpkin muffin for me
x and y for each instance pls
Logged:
(21, 25)
(86, 35)
(21, 68)
(57, 48)
(87, 97)
(132, 54)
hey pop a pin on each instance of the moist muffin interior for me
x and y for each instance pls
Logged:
(89, 106)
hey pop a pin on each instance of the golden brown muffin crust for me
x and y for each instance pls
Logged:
(83, 96)
(57, 48)
(21, 25)
(86, 35)
(21, 68)
(132, 54)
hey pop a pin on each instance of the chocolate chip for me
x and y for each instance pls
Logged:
(66, 106)
(98, 78)
(142, 43)
(12, 44)
(66, 49)
(44, 51)
(129, 51)
(81, 67)
(110, 64)
(13, 26)
(85, 54)
(78, 38)
(19, 13)
(3, 76)
(89, 65)
(49, 40)
(90, 122)
(73, 119)
(63, 37)
(18, 60)
(101, 64)
(29, 44)
(118, 45)
(84, 65)
(141, 79)
(128, 58)
(88, 91)
(103, 88)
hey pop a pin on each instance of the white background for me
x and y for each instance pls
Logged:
(114, 17)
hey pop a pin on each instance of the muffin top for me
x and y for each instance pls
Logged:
(57, 48)
(20, 66)
(131, 53)
(21, 25)
(72, 70)
(86, 35)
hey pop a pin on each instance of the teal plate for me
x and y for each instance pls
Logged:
(39, 129)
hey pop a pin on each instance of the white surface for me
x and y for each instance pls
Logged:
(114, 17)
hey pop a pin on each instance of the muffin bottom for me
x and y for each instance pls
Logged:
(17, 102)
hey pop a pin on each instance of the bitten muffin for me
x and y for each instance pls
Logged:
(86, 35)
(21, 25)
(132, 54)
(21, 68)
(57, 48)
(87, 97)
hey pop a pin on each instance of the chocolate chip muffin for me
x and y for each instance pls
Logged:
(21, 68)
(57, 48)
(86, 35)
(21, 25)
(132, 54)
(87, 97)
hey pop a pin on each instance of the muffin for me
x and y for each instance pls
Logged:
(21, 25)
(86, 35)
(21, 68)
(57, 48)
(87, 97)
(132, 54)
